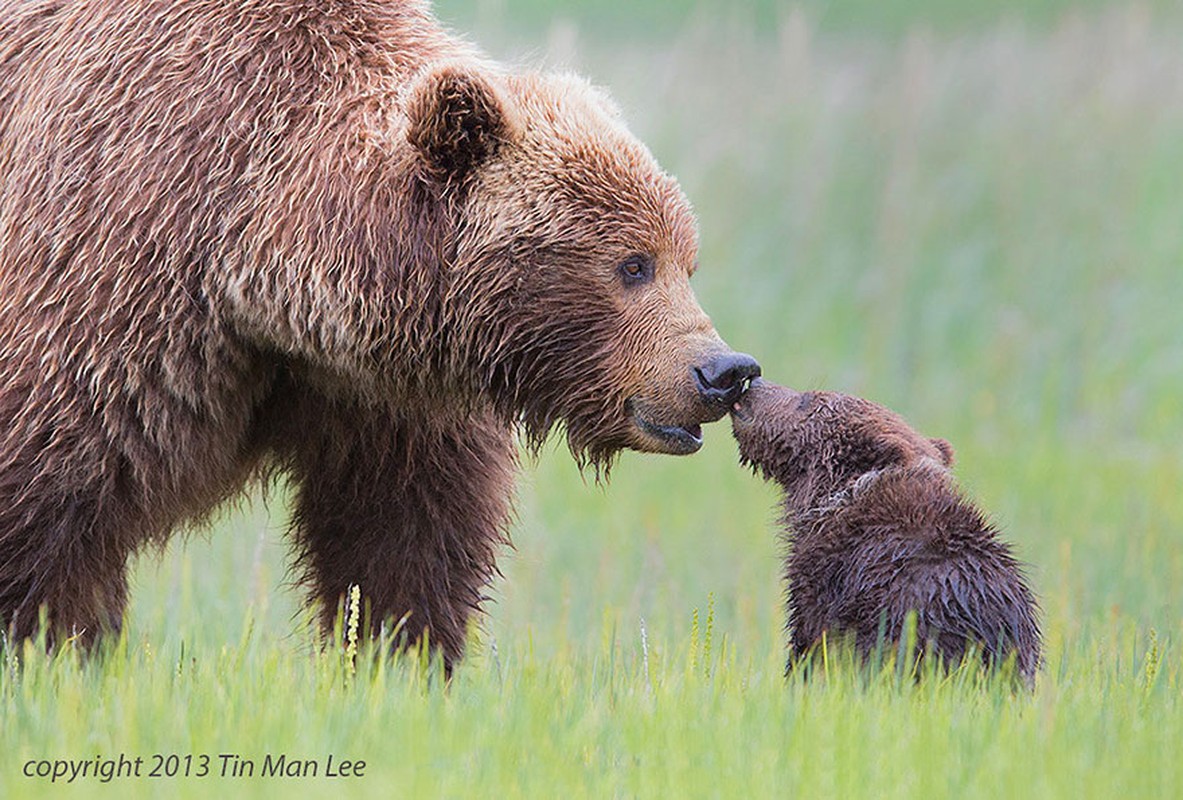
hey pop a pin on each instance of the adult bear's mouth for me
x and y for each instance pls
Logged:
(672, 439)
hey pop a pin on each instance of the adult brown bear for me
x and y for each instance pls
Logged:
(329, 238)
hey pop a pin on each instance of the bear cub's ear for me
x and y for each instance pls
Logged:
(945, 449)
(456, 120)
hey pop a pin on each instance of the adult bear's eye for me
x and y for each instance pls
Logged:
(636, 269)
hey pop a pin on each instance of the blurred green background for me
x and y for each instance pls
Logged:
(654, 21)
(970, 214)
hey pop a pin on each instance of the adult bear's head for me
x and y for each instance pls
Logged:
(570, 288)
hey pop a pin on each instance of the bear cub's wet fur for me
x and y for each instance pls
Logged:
(876, 527)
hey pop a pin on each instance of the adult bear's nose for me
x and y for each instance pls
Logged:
(723, 378)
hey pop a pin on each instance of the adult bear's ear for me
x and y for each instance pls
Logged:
(456, 121)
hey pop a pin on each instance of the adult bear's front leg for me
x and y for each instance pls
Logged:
(411, 509)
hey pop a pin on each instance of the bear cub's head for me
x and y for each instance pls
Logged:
(816, 444)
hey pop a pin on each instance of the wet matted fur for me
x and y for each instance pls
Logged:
(326, 238)
(877, 528)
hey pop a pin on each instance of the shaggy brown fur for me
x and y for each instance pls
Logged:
(877, 528)
(331, 238)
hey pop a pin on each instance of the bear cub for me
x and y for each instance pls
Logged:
(876, 527)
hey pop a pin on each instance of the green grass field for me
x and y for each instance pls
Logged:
(975, 220)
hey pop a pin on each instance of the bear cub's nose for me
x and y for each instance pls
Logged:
(723, 379)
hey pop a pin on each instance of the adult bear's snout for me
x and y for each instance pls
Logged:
(722, 379)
